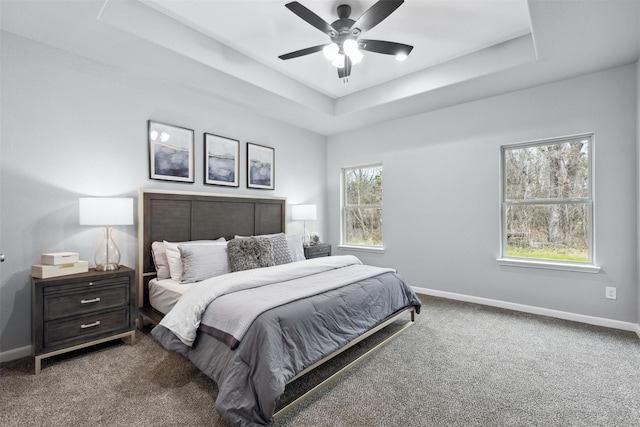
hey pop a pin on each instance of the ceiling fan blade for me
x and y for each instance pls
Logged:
(387, 48)
(376, 14)
(311, 18)
(302, 52)
(345, 71)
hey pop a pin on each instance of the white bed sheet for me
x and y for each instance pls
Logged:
(163, 294)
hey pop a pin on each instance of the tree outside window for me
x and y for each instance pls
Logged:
(546, 198)
(362, 206)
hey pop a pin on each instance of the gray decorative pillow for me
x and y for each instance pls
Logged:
(249, 253)
(280, 248)
(200, 262)
(173, 254)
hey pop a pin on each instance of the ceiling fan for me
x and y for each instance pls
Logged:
(344, 49)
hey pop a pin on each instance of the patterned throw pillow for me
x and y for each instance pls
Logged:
(280, 248)
(249, 253)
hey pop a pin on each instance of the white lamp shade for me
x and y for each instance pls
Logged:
(303, 212)
(106, 211)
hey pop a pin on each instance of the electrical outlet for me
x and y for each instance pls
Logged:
(610, 292)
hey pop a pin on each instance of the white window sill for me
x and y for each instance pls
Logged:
(373, 249)
(549, 265)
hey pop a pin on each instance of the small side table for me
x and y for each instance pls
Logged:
(317, 250)
(79, 310)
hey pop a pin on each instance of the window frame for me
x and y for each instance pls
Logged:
(344, 208)
(588, 266)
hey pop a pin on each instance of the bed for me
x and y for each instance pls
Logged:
(255, 330)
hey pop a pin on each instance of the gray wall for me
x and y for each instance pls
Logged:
(442, 200)
(72, 127)
(638, 177)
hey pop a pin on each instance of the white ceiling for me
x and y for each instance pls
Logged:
(568, 38)
(439, 30)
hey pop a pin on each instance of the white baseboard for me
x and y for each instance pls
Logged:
(16, 353)
(591, 320)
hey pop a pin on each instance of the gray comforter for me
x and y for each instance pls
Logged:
(284, 340)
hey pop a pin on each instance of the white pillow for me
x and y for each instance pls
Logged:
(200, 262)
(173, 255)
(159, 255)
(295, 244)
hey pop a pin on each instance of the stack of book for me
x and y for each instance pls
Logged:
(59, 264)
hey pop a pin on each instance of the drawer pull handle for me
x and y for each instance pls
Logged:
(89, 301)
(90, 325)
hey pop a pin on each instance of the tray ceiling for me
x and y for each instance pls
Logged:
(439, 31)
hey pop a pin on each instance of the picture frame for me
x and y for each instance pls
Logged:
(171, 152)
(221, 160)
(260, 166)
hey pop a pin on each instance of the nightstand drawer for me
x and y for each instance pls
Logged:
(85, 327)
(60, 285)
(86, 300)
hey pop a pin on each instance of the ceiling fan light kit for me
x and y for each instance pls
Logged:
(331, 51)
(345, 48)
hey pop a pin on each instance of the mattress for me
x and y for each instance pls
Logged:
(163, 294)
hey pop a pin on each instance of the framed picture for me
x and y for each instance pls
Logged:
(260, 167)
(170, 152)
(221, 160)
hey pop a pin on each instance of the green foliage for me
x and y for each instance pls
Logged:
(559, 253)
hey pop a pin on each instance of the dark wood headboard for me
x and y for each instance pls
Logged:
(183, 216)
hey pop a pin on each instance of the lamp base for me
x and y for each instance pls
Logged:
(306, 237)
(107, 267)
(107, 256)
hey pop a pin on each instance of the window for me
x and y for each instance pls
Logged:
(362, 206)
(547, 211)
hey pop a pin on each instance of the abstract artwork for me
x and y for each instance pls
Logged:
(260, 167)
(222, 160)
(170, 152)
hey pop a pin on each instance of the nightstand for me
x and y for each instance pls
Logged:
(318, 250)
(79, 310)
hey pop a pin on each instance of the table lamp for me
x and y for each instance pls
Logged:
(106, 212)
(304, 213)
